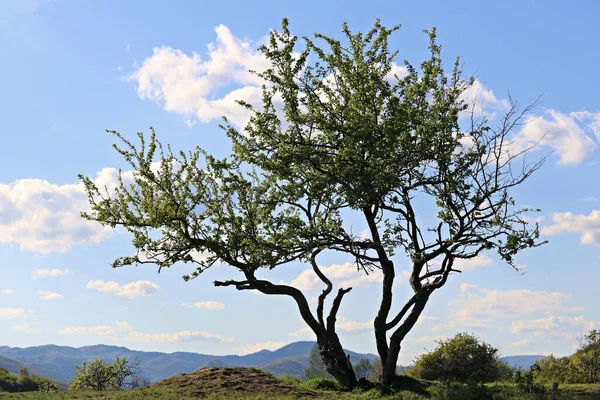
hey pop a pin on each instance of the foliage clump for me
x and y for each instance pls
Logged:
(463, 358)
(99, 375)
(25, 382)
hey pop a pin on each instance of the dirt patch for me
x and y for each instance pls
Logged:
(227, 381)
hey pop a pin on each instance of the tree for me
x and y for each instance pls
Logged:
(363, 369)
(99, 375)
(376, 371)
(337, 135)
(463, 358)
(316, 368)
(383, 147)
(588, 355)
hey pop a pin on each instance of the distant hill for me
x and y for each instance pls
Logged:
(214, 363)
(59, 361)
(523, 362)
(14, 366)
(288, 366)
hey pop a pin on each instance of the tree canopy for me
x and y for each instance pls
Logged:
(338, 138)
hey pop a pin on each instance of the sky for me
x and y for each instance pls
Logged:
(71, 69)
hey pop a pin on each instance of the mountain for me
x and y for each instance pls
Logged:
(59, 361)
(523, 362)
(13, 366)
(288, 366)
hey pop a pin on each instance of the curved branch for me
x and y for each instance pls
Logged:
(334, 310)
(326, 291)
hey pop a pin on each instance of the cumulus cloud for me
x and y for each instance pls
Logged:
(48, 273)
(341, 275)
(205, 305)
(187, 84)
(482, 101)
(476, 307)
(587, 226)
(124, 331)
(132, 289)
(98, 330)
(184, 336)
(256, 347)
(12, 313)
(563, 133)
(553, 324)
(25, 328)
(49, 295)
(343, 325)
(44, 217)
(7, 292)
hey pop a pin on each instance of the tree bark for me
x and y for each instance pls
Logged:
(389, 366)
(335, 359)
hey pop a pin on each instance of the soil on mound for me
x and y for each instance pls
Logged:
(227, 381)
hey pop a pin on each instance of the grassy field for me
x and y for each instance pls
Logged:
(253, 384)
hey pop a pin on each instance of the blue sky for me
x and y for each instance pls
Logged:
(71, 69)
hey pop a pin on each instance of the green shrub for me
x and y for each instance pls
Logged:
(289, 380)
(464, 358)
(322, 384)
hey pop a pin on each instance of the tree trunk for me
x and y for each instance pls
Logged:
(388, 369)
(336, 361)
(391, 359)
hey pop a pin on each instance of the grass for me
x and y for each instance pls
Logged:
(254, 384)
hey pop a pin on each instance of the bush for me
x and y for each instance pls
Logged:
(322, 384)
(464, 358)
(289, 380)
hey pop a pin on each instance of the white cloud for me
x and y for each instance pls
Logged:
(476, 307)
(188, 85)
(397, 70)
(49, 295)
(342, 275)
(524, 344)
(25, 328)
(256, 347)
(592, 119)
(48, 273)
(563, 133)
(206, 305)
(132, 289)
(11, 313)
(7, 292)
(588, 226)
(184, 336)
(553, 324)
(465, 265)
(482, 101)
(472, 264)
(343, 325)
(43, 217)
(124, 331)
(98, 330)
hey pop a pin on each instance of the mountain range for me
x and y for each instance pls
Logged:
(58, 362)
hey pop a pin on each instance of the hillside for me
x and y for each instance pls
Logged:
(59, 361)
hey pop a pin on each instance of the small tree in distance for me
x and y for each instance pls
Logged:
(363, 369)
(316, 368)
(99, 375)
(463, 358)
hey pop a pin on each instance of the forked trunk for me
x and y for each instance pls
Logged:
(388, 368)
(336, 361)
